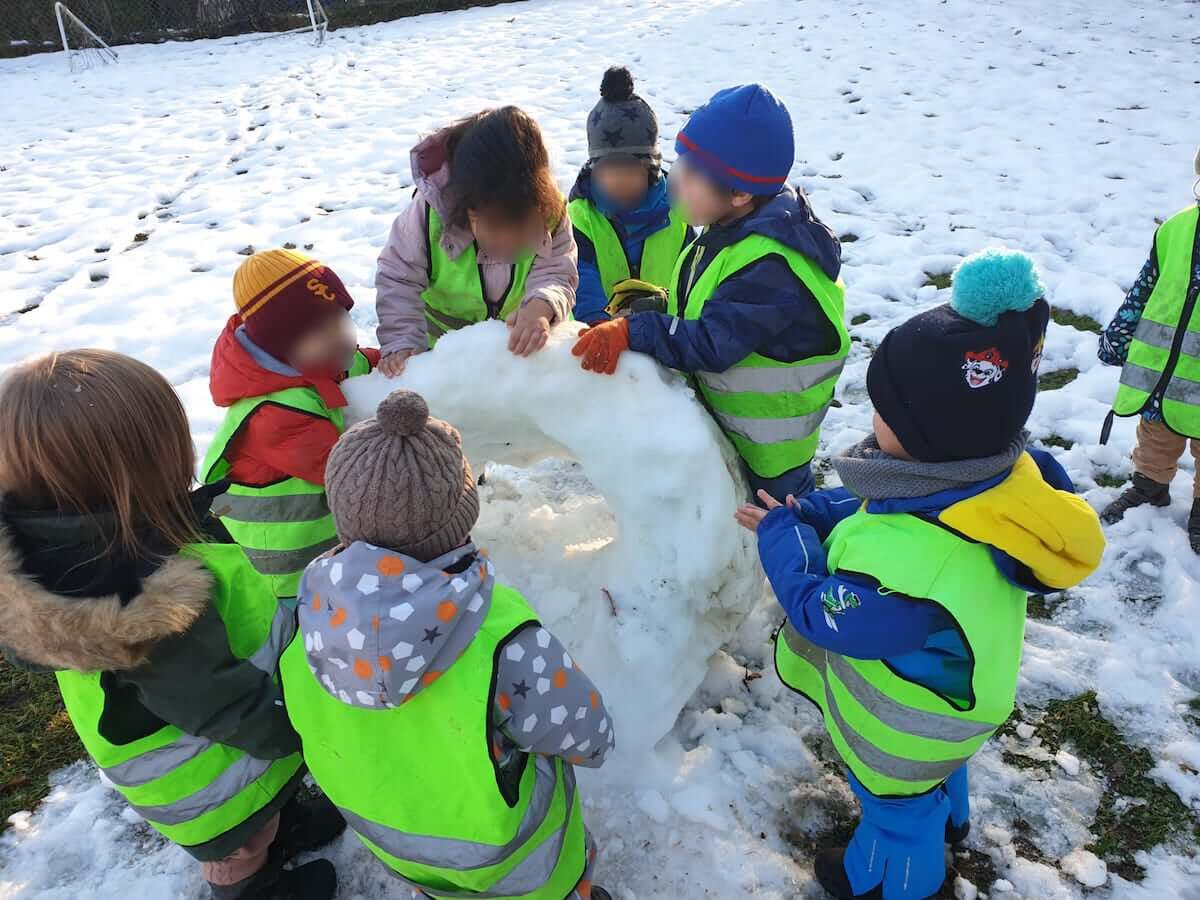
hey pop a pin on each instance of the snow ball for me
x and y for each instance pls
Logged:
(1085, 867)
(1002, 886)
(964, 890)
(1025, 731)
(1067, 762)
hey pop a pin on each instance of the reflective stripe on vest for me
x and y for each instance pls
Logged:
(483, 843)
(190, 788)
(1164, 355)
(898, 737)
(282, 526)
(770, 410)
(660, 251)
(455, 296)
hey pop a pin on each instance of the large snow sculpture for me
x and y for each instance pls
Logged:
(608, 501)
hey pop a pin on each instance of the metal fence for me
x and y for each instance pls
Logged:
(29, 26)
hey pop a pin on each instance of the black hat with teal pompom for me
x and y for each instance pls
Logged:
(959, 381)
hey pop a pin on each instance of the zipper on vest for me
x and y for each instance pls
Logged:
(494, 309)
(691, 280)
(1181, 330)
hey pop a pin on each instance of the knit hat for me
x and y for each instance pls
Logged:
(742, 138)
(400, 481)
(282, 294)
(958, 382)
(622, 125)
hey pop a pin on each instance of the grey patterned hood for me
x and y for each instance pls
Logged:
(379, 626)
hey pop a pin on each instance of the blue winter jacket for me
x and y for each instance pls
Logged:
(764, 308)
(917, 639)
(633, 227)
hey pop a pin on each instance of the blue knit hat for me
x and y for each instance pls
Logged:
(742, 138)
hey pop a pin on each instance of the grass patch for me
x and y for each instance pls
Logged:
(860, 319)
(36, 738)
(1052, 381)
(1136, 812)
(1057, 440)
(1018, 761)
(941, 280)
(1075, 320)
(1109, 480)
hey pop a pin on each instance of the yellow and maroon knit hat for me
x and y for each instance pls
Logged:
(281, 294)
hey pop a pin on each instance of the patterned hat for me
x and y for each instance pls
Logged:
(622, 125)
(281, 295)
(400, 481)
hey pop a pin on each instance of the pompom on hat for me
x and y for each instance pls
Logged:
(959, 381)
(400, 481)
(622, 126)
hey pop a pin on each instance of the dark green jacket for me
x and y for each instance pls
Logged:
(188, 678)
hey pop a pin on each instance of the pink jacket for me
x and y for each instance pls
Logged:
(403, 271)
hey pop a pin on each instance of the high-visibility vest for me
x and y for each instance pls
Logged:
(455, 297)
(1164, 356)
(770, 410)
(900, 738)
(425, 786)
(660, 251)
(285, 525)
(189, 788)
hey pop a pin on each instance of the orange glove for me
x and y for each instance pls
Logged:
(601, 346)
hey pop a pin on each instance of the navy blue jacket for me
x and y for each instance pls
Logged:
(633, 227)
(764, 308)
(918, 639)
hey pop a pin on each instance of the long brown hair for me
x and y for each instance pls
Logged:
(94, 432)
(499, 167)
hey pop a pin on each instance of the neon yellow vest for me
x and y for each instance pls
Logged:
(900, 738)
(660, 251)
(1164, 356)
(771, 411)
(282, 526)
(421, 785)
(189, 788)
(455, 297)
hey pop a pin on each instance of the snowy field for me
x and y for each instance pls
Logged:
(925, 131)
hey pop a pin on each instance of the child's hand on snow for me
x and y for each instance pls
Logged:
(601, 346)
(750, 515)
(529, 327)
(393, 364)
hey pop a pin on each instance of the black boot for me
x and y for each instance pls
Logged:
(306, 824)
(1194, 527)
(599, 893)
(316, 880)
(1143, 490)
(830, 869)
(957, 834)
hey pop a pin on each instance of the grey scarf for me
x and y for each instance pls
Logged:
(871, 474)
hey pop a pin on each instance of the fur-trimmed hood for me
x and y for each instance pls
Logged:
(91, 634)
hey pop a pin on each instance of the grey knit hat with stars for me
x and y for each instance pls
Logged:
(622, 125)
(400, 481)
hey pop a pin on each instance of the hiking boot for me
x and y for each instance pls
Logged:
(316, 880)
(1143, 490)
(599, 893)
(830, 869)
(306, 823)
(1194, 526)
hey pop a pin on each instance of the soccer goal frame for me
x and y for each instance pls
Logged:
(318, 24)
(107, 54)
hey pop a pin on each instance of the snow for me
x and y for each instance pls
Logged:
(1085, 867)
(634, 562)
(926, 131)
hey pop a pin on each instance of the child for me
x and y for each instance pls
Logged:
(277, 367)
(755, 311)
(1155, 335)
(486, 237)
(905, 591)
(619, 206)
(165, 641)
(435, 710)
